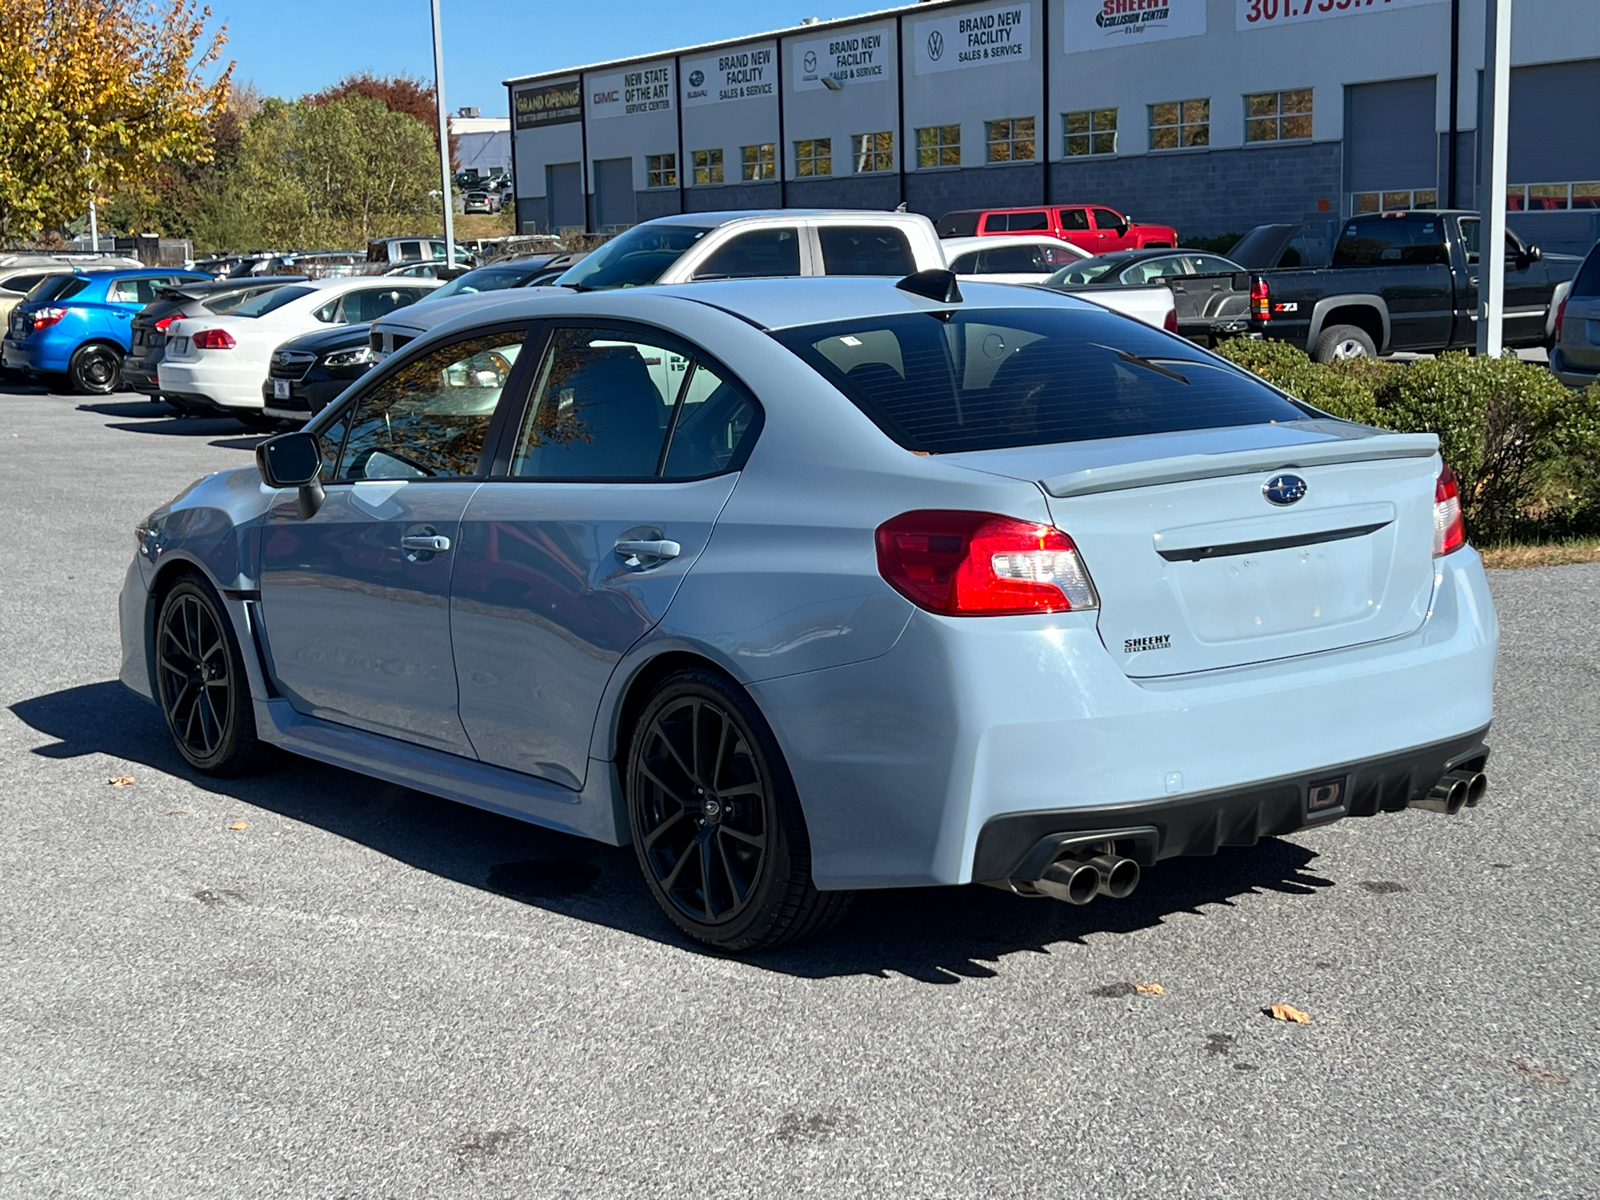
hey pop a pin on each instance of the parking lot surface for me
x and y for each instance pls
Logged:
(308, 983)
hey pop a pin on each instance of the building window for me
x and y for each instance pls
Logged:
(814, 156)
(1278, 116)
(1010, 140)
(661, 170)
(1375, 202)
(760, 162)
(1552, 197)
(1180, 123)
(707, 166)
(939, 146)
(1091, 132)
(872, 151)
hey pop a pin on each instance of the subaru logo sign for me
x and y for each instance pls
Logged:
(1284, 490)
(696, 78)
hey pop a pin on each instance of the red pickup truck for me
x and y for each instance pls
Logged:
(1093, 227)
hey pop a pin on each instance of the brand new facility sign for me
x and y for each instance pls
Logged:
(629, 93)
(853, 56)
(548, 104)
(746, 74)
(982, 37)
(1096, 24)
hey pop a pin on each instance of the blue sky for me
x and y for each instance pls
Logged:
(289, 47)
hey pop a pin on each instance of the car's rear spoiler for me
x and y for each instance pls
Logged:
(1240, 462)
(199, 290)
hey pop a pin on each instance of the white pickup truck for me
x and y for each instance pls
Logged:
(768, 243)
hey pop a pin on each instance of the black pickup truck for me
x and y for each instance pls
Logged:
(1406, 281)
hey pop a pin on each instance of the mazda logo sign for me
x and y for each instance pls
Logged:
(1284, 490)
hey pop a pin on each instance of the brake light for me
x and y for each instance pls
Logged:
(214, 339)
(43, 318)
(1260, 300)
(1170, 321)
(977, 564)
(161, 325)
(1449, 533)
(1561, 312)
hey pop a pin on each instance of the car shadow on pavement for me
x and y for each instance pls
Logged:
(936, 935)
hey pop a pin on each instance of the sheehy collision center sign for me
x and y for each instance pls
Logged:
(1097, 24)
(644, 90)
(981, 37)
(853, 57)
(747, 74)
(1261, 14)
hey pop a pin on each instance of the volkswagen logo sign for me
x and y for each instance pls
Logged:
(696, 78)
(1284, 490)
(936, 45)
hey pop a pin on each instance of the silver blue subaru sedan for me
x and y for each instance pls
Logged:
(804, 586)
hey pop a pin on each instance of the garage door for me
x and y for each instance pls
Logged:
(1554, 136)
(1391, 144)
(613, 193)
(563, 189)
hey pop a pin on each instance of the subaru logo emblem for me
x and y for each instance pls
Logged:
(1284, 490)
(696, 78)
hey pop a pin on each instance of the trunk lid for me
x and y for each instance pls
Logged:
(1197, 569)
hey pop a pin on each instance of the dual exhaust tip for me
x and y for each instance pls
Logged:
(1455, 791)
(1080, 880)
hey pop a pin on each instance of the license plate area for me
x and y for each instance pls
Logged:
(280, 389)
(179, 347)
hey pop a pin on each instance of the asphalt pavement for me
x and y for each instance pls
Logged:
(311, 984)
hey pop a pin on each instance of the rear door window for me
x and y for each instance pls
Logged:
(133, 291)
(987, 379)
(865, 250)
(1012, 260)
(1392, 241)
(758, 254)
(1028, 222)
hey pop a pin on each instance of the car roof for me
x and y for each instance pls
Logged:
(714, 219)
(765, 303)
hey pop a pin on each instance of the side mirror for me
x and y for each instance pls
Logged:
(1535, 254)
(294, 460)
(1123, 226)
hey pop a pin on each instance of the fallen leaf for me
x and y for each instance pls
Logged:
(120, 780)
(1150, 989)
(1287, 1012)
(179, 812)
(240, 825)
(1535, 1075)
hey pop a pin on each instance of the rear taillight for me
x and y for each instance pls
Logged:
(1260, 300)
(214, 339)
(1449, 533)
(1561, 313)
(43, 318)
(1170, 321)
(977, 564)
(161, 325)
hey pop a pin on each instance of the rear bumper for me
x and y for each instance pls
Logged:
(1021, 845)
(32, 354)
(1569, 372)
(224, 387)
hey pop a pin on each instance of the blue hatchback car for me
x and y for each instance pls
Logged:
(77, 325)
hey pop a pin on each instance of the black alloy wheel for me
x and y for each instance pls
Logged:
(715, 820)
(201, 683)
(95, 369)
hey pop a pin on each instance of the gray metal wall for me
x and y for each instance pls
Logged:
(1391, 142)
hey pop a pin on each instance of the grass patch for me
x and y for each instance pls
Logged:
(484, 225)
(1549, 554)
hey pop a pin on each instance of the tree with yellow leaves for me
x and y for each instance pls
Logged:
(96, 95)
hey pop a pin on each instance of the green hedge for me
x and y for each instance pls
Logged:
(1525, 447)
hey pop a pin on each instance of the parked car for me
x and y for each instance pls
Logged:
(77, 325)
(405, 250)
(1093, 227)
(1210, 294)
(1407, 281)
(21, 273)
(1024, 258)
(802, 586)
(1575, 357)
(481, 201)
(220, 361)
(147, 335)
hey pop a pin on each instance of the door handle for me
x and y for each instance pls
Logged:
(433, 543)
(647, 553)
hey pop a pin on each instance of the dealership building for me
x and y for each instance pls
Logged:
(1209, 115)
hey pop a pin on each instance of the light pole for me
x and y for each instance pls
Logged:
(444, 141)
(1493, 134)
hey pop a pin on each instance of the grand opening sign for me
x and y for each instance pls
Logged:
(1261, 14)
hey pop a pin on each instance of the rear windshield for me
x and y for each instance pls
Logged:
(1386, 241)
(487, 279)
(1587, 282)
(1080, 274)
(994, 378)
(59, 287)
(262, 303)
(222, 303)
(634, 258)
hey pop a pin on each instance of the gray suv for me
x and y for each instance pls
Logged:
(1575, 358)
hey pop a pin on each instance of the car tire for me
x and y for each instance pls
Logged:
(1343, 341)
(716, 821)
(95, 369)
(201, 684)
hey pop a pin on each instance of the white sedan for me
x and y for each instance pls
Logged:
(1035, 258)
(220, 361)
